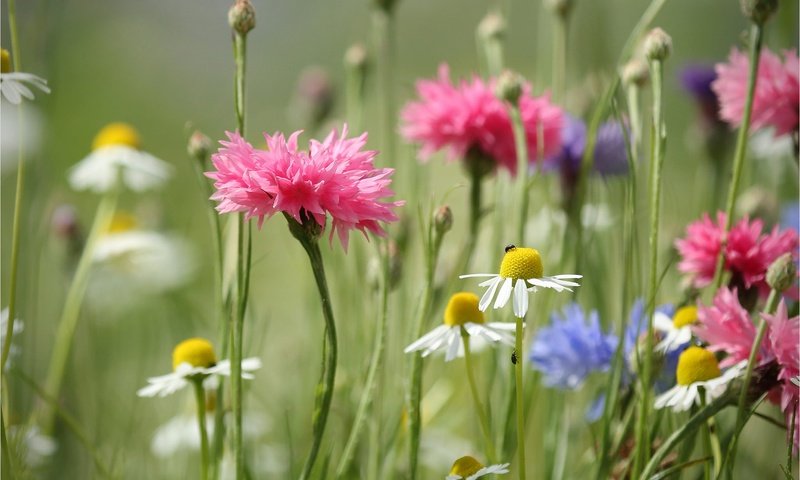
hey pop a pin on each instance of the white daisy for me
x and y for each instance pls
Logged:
(676, 331)
(194, 359)
(181, 433)
(12, 84)
(468, 468)
(462, 313)
(698, 367)
(520, 267)
(116, 159)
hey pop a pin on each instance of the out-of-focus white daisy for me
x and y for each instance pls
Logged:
(116, 160)
(268, 461)
(194, 359)
(520, 267)
(697, 368)
(461, 314)
(37, 447)
(181, 433)
(468, 468)
(19, 132)
(13, 84)
(678, 330)
(18, 327)
(549, 224)
(765, 145)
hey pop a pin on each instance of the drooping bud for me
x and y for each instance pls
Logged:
(635, 72)
(657, 44)
(509, 87)
(493, 26)
(443, 219)
(242, 17)
(759, 11)
(782, 274)
(199, 146)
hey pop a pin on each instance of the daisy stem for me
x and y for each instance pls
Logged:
(519, 400)
(72, 306)
(485, 429)
(756, 37)
(200, 397)
(659, 136)
(710, 440)
(632, 92)
(522, 169)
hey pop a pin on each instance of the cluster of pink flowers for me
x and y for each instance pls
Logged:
(469, 116)
(748, 252)
(777, 92)
(334, 177)
(727, 327)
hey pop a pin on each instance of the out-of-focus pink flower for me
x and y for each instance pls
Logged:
(334, 177)
(726, 327)
(748, 252)
(784, 344)
(777, 93)
(469, 116)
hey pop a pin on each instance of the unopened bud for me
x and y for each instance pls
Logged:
(199, 146)
(759, 11)
(313, 97)
(560, 7)
(492, 26)
(782, 274)
(509, 87)
(443, 219)
(635, 72)
(657, 44)
(356, 57)
(242, 17)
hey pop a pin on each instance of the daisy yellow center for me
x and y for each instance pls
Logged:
(117, 134)
(520, 262)
(697, 365)
(197, 352)
(122, 222)
(6, 61)
(462, 308)
(685, 316)
(465, 466)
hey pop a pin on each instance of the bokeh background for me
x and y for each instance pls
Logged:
(166, 67)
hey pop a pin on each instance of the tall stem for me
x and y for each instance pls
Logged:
(200, 398)
(484, 419)
(520, 331)
(521, 144)
(756, 38)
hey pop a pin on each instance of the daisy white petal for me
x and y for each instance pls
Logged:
(504, 294)
(486, 299)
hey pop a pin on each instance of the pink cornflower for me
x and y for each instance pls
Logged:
(726, 327)
(334, 177)
(748, 252)
(777, 92)
(468, 115)
(783, 341)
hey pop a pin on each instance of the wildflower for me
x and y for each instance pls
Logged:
(468, 119)
(697, 80)
(335, 177)
(194, 360)
(520, 267)
(697, 368)
(776, 96)
(748, 252)
(657, 44)
(636, 332)
(783, 342)
(726, 327)
(461, 313)
(790, 216)
(677, 331)
(571, 348)
(117, 160)
(181, 432)
(468, 468)
(12, 84)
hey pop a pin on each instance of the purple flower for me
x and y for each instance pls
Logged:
(696, 79)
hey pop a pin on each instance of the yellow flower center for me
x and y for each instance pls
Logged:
(465, 466)
(462, 308)
(197, 352)
(117, 134)
(6, 61)
(685, 316)
(122, 222)
(697, 365)
(519, 262)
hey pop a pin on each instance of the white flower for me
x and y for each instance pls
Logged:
(180, 433)
(677, 331)
(468, 468)
(520, 267)
(19, 132)
(462, 313)
(12, 84)
(697, 368)
(38, 447)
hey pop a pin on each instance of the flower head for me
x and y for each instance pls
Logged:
(116, 160)
(13, 84)
(520, 268)
(469, 117)
(571, 348)
(677, 330)
(334, 177)
(776, 95)
(783, 342)
(726, 327)
(469, 468)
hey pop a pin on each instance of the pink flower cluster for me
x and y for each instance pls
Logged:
(727, 327)
(748, 252)
(777, 92)
(469, 116)
(334, 177)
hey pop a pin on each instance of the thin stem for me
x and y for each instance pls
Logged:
(706, 436)
(384, 37)
(7, 468)
(560, 56)
(756, 38)
(484, 420)
(635, 118)
(520, 331)
(521, 145)
(200, 397)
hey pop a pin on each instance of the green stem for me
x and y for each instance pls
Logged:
(521, 144)
(560, 56)
(72, 306)
(355, 84)
(656, 164)
(7, 469)
(706, 435)
(384, 31)
(484, 420)
(519, 400)
(200, 397)
(756, 38)
(634, 114)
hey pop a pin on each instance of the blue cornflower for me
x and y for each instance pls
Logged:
(697, 79)
(571, 348)
(610, 154)
(790, 216)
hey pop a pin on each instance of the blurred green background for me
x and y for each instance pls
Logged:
(166, 67)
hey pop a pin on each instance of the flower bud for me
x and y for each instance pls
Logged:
(199, 146)
(759, 11)
(509, 87)
(443, 220)
(313, 97)
(493, 26)
(635, 72)
(242, 17)
(657, 44)
(559, 7)
(782, 274)
(356, 57)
